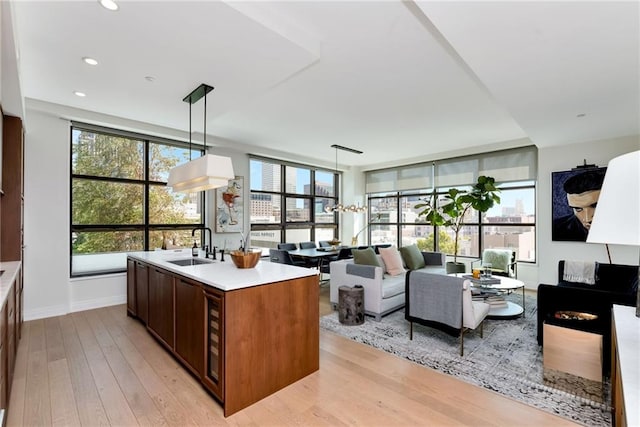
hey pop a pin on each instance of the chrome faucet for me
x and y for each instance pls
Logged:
(210, 246)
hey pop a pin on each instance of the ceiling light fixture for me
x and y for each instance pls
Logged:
(80, 94)
(109, 4)
(205, 172)
(340, 207)
(90, 61)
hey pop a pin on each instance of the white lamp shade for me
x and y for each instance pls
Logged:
(201, 174)
(617, 216)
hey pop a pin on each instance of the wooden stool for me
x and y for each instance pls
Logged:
(351, 305)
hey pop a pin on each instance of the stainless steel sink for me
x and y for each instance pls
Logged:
(189, 261)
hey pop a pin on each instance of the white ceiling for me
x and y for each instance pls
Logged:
(400, 81)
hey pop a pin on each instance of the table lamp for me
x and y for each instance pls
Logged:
(617, 216)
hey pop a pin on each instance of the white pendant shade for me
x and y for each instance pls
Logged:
(617, 216)
(203, 173)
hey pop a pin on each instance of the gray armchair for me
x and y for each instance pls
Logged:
(442, 302)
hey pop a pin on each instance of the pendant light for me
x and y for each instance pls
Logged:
(205, 172)
(340, 207)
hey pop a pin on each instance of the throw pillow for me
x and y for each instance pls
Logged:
(392, 260)
(412, 257)
(365, 257)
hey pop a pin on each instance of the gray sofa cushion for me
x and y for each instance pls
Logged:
(392, 286)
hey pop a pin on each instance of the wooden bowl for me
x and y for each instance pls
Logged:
(245, 260)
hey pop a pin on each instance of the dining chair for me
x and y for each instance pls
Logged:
(287, 246)
(281, 256)
(310, 262)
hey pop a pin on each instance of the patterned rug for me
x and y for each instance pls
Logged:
(507, 360)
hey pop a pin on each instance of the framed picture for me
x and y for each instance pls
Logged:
(575, 196)
(230, 207)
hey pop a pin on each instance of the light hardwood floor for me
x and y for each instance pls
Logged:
(100, 367)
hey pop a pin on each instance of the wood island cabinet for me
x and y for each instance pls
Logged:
(242, 344)
(189, 324)
(142, 288)
(160, 309)
(131, 287)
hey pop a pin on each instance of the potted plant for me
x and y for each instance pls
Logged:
(450, 211)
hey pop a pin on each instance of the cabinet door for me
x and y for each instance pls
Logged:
(142, 288)
(11, 335)
(131, 287)
(3, 357)
(19, 306)
(161, 305)
(214, 352)
(190, 324)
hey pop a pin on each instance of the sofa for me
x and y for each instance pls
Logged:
(614, 284)
(383, 293)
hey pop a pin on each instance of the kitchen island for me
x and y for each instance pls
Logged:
(244, 333)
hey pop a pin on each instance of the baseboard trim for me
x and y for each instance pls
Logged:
(61, 310)
(43, 313)
(98, 303)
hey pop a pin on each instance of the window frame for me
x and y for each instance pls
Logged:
(308, 199)
(480, 224)
(146, 227)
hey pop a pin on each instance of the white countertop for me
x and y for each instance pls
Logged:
(628, 343)
(11, 270)
(223, 275)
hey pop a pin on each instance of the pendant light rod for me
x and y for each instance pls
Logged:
(192, 98)
(341, 147)
(340, 207)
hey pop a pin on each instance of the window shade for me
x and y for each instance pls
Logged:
(518, 164)
(411, 177)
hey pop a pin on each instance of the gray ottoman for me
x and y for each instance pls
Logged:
(351, 305)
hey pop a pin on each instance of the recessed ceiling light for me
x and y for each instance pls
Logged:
(80, 94)
(90, 61)
(109, 4)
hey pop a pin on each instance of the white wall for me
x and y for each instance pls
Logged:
(46, 216)
(562, 158)
(49, 290)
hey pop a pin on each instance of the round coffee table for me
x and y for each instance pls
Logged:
(506, 285)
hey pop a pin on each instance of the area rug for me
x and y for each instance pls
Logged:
(507, 360)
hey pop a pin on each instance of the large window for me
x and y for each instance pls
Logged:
(289, 203)
(393, 194)
(120, 201)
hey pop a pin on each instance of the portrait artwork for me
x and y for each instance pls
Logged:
(575, 196)
(230, 207)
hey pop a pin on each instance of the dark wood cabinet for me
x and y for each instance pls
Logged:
(131, 287)
(142, 291)
(189, 319)
(243, 344)
(8, 329)
(160, 316)
(4, 384)
(11, 332)
(213, 375)
(11, 228)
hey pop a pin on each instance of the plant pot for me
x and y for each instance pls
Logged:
(456, 267)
